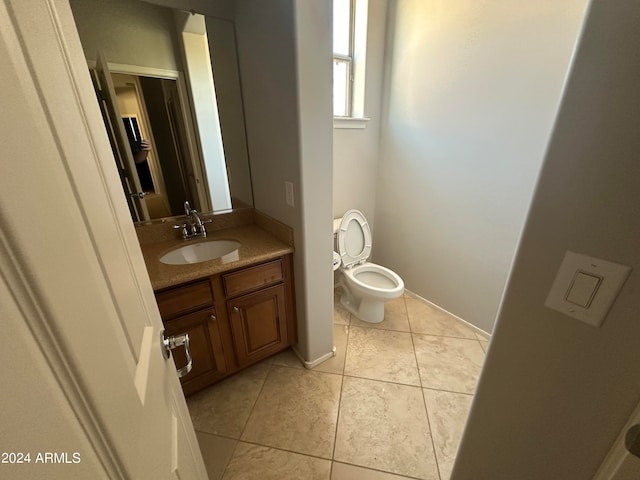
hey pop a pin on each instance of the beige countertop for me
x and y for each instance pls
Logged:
(256, 245)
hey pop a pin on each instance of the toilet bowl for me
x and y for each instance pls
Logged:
(367, 286)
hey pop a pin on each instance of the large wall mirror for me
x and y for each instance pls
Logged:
(169, 89)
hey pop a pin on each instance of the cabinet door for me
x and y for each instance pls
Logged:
(259, 324)
(205, 345)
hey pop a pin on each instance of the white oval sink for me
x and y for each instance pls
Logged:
(201, 252)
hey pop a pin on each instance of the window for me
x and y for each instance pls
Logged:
(342, 57)
(349, 48)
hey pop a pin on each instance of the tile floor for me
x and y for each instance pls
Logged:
(391, 404)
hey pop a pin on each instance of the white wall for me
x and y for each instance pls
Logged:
(284, 51)
(473, 89)
(356, 151)
(219, 9)
(555, 392)
(131, 33)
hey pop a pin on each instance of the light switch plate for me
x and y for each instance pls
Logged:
(612, 275)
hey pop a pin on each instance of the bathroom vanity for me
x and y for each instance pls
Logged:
(237, 311)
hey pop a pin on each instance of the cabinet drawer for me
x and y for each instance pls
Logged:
(183, 299)
(252, 278)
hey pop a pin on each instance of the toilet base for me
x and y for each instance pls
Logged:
(366, 310)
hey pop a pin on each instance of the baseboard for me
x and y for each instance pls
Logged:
(470, 325)
(317, 361)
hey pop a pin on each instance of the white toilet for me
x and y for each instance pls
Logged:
(367, 285)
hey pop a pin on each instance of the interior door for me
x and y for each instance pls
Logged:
(73, 286)
(119, 141)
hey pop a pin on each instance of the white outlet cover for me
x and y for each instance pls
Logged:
(613, 276)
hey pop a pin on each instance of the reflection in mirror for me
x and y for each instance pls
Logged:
(150, 109)
(178, 141)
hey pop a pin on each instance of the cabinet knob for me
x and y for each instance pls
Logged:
(236, 309)
(214, 318)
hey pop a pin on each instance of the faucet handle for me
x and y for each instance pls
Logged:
(202, 229)
(183, 230)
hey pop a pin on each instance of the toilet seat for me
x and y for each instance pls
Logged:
(375, 280)
(354, 239)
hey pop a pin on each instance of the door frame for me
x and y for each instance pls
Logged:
(619, 460)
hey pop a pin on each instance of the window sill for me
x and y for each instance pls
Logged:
(350, 122)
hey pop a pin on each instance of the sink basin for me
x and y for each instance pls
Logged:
(201, 252)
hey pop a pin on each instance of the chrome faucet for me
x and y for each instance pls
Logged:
(192, 213)
(195, 227)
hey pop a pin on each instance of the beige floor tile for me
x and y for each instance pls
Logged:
(255, 462)
(395, 317)
(484, 344)
(297, 410)
(384, 426)
(287, 358)
(381, 355)
(342, 471)
(216, 452)
(224, 408)
(429, 319)
(448, 414)
(336, 364)
(446, 363)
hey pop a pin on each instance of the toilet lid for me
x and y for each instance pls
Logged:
(354, 238)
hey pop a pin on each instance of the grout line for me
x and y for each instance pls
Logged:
(448, 391)
(327, 460)
(264, 382)
(382, 329)
(483, 347)
(433, 444)
(285, 450)
(424, 400)
(224, 470)
(226, 437)
(335, 434)
(382, 381)
(413, 344)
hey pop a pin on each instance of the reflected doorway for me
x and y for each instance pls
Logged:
(154, 145)
(150, 111)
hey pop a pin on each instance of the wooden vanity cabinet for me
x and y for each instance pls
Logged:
(253, 318)
(190, 308)
(258, 313)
